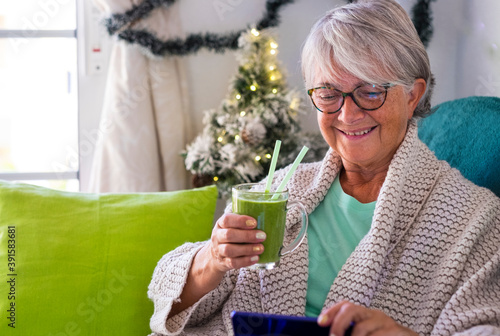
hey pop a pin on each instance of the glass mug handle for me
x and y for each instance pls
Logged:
(290, 248)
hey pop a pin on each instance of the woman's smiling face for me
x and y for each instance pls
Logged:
(367, 139)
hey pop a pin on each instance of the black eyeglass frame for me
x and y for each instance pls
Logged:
(350, 94)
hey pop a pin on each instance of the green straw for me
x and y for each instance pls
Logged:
(290, 172)
(273, 165)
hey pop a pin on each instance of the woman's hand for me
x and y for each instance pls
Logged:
(367, 321)
(235, 243)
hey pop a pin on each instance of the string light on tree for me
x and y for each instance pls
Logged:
(237, 139)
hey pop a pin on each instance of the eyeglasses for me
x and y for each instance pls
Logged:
(368, 97)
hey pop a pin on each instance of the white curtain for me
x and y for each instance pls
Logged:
(145, 119)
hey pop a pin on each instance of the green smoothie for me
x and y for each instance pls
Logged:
(271, 218)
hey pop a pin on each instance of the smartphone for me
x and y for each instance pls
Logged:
(258, 324)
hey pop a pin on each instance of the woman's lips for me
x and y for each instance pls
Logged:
(357, 133)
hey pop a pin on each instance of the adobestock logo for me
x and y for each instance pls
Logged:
(40, 19)
(489, 86)
(224, 6)
(97, 303)
(125, 104)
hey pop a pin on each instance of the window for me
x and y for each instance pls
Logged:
(38, 93)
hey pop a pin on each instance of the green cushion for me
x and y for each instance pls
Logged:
(81, 263)
(464, 132)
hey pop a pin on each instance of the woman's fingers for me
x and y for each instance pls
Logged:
(363, 321)
(350, 313)
(342, 316)
(240, 250)
(234, 221)
(235, 242)
(235, 263)
(234, 257)
(326, 317)
(232, 228)
(225, 236)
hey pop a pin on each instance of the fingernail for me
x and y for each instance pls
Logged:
(260, 235)
(322, 319)
(257, 248)
(250, 223)
(254, 258)
(332, 334)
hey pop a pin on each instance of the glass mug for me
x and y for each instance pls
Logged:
(269, 209)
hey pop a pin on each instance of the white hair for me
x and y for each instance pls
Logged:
(373, 40)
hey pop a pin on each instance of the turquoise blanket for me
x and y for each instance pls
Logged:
(465, 133)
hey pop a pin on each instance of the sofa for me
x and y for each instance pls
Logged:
(80, 264)
(464, 132)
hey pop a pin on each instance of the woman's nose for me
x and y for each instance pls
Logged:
(350, 112)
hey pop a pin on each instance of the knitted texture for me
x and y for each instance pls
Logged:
(431, 259)
(462, 118)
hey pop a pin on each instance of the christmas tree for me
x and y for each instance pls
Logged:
(236, 143)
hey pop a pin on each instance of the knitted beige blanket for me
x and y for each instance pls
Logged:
(431, 259)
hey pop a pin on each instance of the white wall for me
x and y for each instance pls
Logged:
(444, 49)
(210, 73)
(478, 67)
(91, 84)
(464, 53)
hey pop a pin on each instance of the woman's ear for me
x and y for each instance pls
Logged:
(415, 95)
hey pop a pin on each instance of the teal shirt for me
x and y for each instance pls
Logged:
(336, 227)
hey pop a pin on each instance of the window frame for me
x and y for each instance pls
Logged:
(40, 33)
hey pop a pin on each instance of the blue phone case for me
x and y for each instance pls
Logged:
(258, 324)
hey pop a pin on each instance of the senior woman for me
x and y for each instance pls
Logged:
(398, 242)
